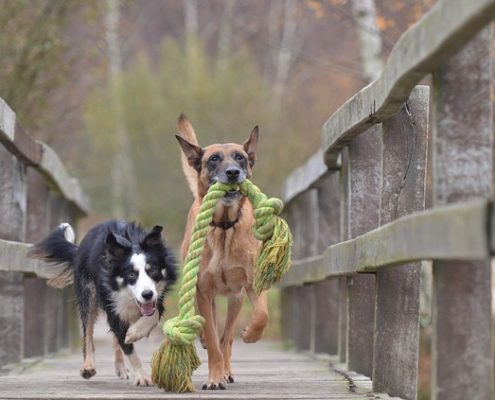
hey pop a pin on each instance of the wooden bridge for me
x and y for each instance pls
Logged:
(404, 174)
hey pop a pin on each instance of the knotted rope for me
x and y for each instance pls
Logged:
(176, 359)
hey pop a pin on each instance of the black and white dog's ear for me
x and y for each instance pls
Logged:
(154, 238)
(117, 246)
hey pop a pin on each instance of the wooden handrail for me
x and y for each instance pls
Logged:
(444, 30)
(40, 156)
(13, 258)
(419, 51)
(356, 208)
(37, 194)
(453, 232)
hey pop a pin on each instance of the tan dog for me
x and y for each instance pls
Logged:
(230, 250)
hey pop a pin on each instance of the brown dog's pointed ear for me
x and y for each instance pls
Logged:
(250, 145)
(192, 152)
(186, 130)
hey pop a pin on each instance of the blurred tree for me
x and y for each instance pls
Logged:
(225, 36)
(290, 42)
(123, 182)
(223, 107)
(369, 37)
(31, 45)
(55, 53)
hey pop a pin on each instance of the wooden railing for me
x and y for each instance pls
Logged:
(357, 212)
(36, 194)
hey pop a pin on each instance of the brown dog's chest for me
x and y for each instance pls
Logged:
(228, 260)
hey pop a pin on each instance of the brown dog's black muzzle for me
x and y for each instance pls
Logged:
(233, 174)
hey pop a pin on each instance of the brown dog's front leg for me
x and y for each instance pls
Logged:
(254, 331)
(235, 304)
(216, 378)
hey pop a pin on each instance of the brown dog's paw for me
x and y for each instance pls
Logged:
(229, 378)
(251, 335)
(214, 385)
(88, 373)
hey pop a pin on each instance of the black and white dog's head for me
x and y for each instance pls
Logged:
(141, 267)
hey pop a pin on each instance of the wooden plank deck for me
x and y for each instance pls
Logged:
(262, 370)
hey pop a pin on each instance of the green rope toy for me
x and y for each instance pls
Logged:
(176, 359)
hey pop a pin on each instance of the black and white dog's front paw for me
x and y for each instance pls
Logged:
(141, 328)
(141, 379)
(121, 370)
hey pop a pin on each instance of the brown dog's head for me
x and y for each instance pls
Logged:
(225, 163)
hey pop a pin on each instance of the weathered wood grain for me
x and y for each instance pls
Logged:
(37, 226)
(61, 306)
(327, 292)
(40, 156)
(463, 160)
(13, 258)
(13, 226)
(305, 177)
(364, 206)
(419, 51)
(13, 196)
(345, 178)
(395, 361)
(453, 232)
(262, 371)
(303, 220)
(7, 121)
(54, 169)
(23, 146)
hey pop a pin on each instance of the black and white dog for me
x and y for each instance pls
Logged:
(120, 268)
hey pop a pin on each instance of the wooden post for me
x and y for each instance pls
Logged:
(395, 360)
(13, 210)
(286, 320)
(57, 320)
(344, 235)
(327, 292)
(35, 289)
(304, 225)
(289, 297)
(463, 156)
(364, 205)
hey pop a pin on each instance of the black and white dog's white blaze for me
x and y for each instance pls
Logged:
(120, 268)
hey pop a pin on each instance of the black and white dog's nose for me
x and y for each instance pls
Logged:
(232, 173)
(147, 294)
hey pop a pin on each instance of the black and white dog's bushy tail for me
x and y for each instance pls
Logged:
(59, 250)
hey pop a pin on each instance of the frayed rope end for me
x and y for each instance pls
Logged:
(172, 367)
(274, 258)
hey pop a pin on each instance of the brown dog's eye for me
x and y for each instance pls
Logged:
(214, 158)
(238, 157)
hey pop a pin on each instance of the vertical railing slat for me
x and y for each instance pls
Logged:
(327, 291)
(344, 235)
(303, 219)
(12, 227)
(364, 205)
(35, 289)
(395, 360)
(463, 161)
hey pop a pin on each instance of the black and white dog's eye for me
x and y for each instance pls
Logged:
(156, 275)
(131, 275)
